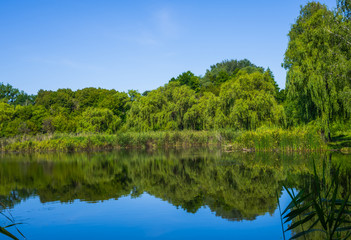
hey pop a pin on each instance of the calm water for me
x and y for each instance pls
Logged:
(164, 195)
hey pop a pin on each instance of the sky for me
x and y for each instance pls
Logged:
(141, 45)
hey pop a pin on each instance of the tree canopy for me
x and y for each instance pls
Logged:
(318, 63)
(242, 96)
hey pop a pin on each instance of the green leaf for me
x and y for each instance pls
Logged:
(338, 222)
(7, 233)
(11, 225)
(331, 214)
(341, 202)
(300, 234)
(320, 213)
(347, 236)
(313, 224)
(6, 217)
(296, 212)
(343, 229)
(298, 223)
(295, 201)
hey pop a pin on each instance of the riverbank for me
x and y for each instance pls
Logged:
(259, 140)
(91, 142)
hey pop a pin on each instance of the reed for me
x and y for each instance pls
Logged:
(270, 139)
(12, 224)
(263, 139)
(75, 142)
(319, 210)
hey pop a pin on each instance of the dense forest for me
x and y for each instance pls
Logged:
(233, 94)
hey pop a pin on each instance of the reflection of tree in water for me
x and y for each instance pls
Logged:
(232, 191)
(15, 197)
(319, 211)
(234, 186)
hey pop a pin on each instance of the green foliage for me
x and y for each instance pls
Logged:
(13, 96)
(188, 78)
(61, 98)
(66, 111)
(248, 101)
(245, 101)
(202, 115)
(244, 97)
(318, 62)
(268, 139)
(222, 72)
(344, 6)
(162, 109)
(319, 210)
(262, 139)
(97, 120)
(134, 95)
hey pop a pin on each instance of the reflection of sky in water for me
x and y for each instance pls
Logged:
(145, 217)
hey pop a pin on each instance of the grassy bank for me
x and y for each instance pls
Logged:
(275, 139)
(76, 142)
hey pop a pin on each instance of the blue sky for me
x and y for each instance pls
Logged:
(51, 44)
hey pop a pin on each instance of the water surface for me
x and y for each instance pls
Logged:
(198, 193)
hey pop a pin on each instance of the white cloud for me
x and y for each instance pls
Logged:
(166, 24)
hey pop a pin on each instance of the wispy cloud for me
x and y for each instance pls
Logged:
(156, 28)
(166, 23)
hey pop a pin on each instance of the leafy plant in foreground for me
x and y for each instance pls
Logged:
(319, 211)
(4, 231)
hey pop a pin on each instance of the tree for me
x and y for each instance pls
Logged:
(248, 101)
(188, 78)
(99, 120)
(61, 98)
(345, 7)
(162, 109)
(13, 96)
(201, 116)
(133, 94)
(318, 64)
(118, 103)
(222, 72)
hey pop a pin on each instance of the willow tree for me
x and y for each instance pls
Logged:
(344, 6)
(318, 64)
(162, 109)
(248, 101)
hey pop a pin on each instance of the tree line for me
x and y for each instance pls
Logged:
(234, 94)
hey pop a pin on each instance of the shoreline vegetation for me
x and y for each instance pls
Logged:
(297, 140)
(235, 104)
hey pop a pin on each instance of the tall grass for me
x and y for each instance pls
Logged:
(74, 142)
(269, 139)
(298, 139)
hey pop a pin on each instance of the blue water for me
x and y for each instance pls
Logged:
(131, 195)
(145, 217)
